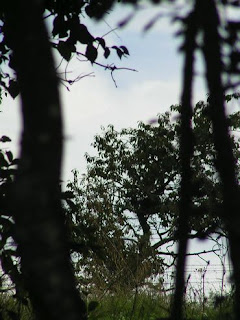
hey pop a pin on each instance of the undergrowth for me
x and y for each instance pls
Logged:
(133, 306)
(146, 306)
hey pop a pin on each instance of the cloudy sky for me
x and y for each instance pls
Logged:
(95, 101)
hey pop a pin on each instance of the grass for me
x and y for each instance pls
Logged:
(132, 306)
(146, 306)
(125, 306)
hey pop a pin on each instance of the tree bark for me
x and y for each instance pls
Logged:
(186, 152)
(37, 210)
(225, 159)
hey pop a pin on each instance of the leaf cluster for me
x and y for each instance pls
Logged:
(67, 33)
(11, 276)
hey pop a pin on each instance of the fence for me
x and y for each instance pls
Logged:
(202, 280)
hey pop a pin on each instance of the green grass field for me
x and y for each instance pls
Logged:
(134, 306)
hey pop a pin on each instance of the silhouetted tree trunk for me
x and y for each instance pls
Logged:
(225, 159)
(37, 208)
(186, 151)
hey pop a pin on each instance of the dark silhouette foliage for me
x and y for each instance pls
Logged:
(35, 195)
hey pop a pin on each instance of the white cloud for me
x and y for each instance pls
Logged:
(95, 102)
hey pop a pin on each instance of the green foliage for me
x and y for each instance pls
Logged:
(147, 305)
(11, 277)
(130, 194)
(12, 309)
(131, 190)
(144, 305)
(104, 260)
(126, 305)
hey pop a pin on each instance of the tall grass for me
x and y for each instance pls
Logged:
(131, 306)
(139, 304)
(148, 306)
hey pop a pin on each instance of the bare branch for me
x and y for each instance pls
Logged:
(110, 67)
(173, 254)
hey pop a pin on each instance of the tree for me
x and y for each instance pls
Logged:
(130, 195)
(68, 36)
(35, 197)
(218, 45)
(41, 147)
(36, 203)
(8, 248)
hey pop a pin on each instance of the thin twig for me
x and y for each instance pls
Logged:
(111, 67)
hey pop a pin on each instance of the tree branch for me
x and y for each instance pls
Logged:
(111, 67)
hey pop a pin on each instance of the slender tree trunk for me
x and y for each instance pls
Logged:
(37, 210)
(225, 158)
(186, 151)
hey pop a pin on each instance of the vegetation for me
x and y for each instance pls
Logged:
(35, 198)
(134, 306)
(32, 207)
(129, 196)
(112, 255)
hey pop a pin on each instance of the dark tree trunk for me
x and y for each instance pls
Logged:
(36, 205)
(225, 158)
(186, 151)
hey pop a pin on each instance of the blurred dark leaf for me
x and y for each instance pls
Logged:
(119, 51)
(83, 35)
(102, 42)
(9, 156)
(65, 49)
(60, 26)
(67, 195)
(91, 53)
(13, 88)
(125, 50)
(5, 139)
(3, 161)
(106, 52)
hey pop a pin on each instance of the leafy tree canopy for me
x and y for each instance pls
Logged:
(20, 48)
(125, 207)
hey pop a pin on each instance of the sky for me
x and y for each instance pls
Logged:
(94, 101)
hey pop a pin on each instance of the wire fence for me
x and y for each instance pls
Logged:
(201, 280)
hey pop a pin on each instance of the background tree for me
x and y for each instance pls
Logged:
(42, 139)
(8, 247)
(218, 45)
(130, 196)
